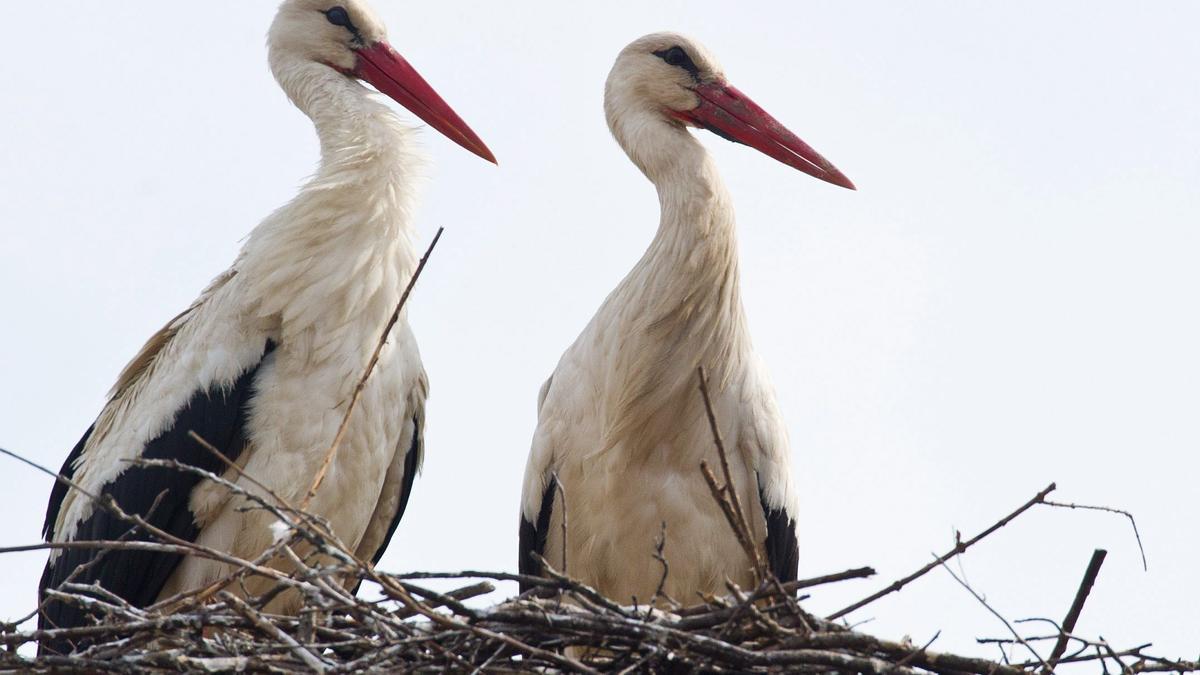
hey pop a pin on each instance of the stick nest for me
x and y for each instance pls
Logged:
(559, 625)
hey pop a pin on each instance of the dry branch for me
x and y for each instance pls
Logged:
(1068, 624)
(362, 381)
(959, 547)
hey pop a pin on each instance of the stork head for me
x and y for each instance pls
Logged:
(347, 37)
(672, 79)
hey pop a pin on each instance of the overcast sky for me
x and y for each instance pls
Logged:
(1008, 300)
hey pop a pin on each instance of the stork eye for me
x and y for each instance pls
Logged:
(338, 16)
(676, 56)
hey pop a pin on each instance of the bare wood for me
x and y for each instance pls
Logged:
(731, 518)
(562, 501)
(274, 631)
(1081, 596)
(362, 381)
(1107, 509)
(238, 470)
(856, 573)
(1017, 636)
(959, 547)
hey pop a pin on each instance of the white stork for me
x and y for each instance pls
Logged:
(263, 364)
(621, 425)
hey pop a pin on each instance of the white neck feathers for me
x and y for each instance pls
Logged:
(679, 308)
(343, 247)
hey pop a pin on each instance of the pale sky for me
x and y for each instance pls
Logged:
(1008, 300)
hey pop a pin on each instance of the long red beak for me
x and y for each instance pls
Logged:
(728, 112)
(388, 72)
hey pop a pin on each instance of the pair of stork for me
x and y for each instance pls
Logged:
(263, 364)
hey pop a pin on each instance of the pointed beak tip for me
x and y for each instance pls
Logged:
(484, 153)
(393, 76)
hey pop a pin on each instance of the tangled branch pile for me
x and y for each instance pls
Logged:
(559, 625)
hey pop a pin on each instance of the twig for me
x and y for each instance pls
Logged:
(659, 545)
(728, 493)
(1107, 509)
(959, 547)
(904, 661)
(562, 502)
(1017, 636)
(362, 381)
(856, 573)
(727, 509)
(310, 659)
(1081, 596)
(283, 503)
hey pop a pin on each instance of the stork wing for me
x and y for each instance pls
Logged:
(397, 485)
(768, 446)
(158, 494)
(532, 535)
(216, 410)
(783, 551)
(537, 498)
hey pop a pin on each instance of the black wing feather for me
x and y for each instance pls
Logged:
(410, 473)
(218, 415)
(532, 537)
(783, 551)
(59, 492)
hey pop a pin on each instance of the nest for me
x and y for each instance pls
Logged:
(558, 625)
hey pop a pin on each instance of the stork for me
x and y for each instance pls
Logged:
(621, 428)
(262, 365)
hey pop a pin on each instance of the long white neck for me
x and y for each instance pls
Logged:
(680, 305)
(342, 249)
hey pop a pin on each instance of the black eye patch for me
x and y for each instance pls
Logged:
(338, 16)
(676, 56)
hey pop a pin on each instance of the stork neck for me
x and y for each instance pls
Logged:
(351, 125)
(680, 306)
(696, 238)
(342, 249)
(693, 200)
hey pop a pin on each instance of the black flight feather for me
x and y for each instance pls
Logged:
(783, 552)
(532, 537)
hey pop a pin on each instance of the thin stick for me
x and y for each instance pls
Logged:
(740, 525)
(959, 547)
(904, 661)
(1107, 509)
(311, 660)
(856, 573)
(659, 545)
(731, 517)
(562, 500)
(237, 469)
(362, 381)
(998, 615)
(1081, 596)
(57, 476)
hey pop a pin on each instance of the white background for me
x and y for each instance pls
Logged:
(1008, 300)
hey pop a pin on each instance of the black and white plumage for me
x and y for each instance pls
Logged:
(622, 429)
(263, 364)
